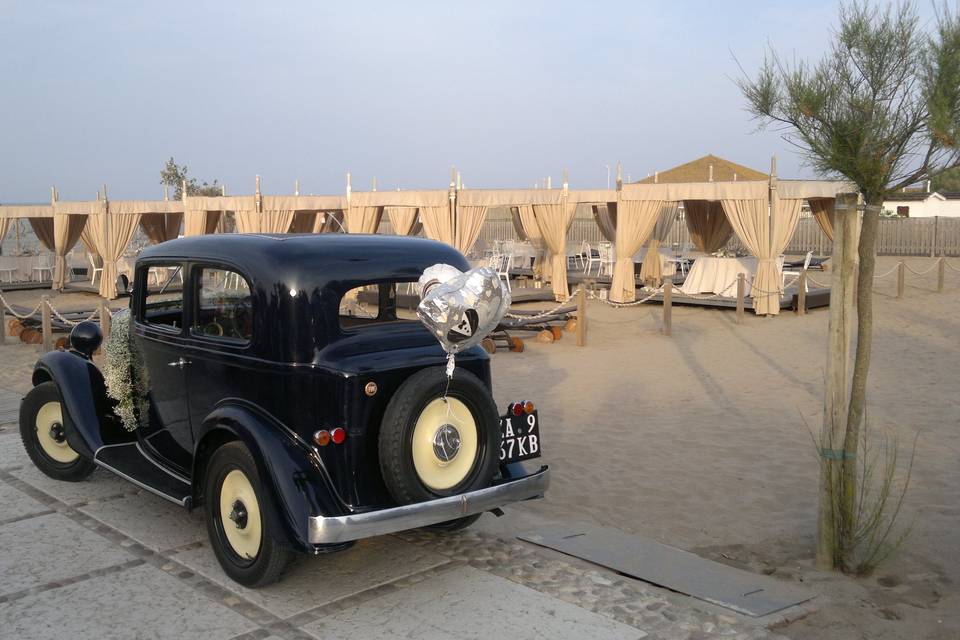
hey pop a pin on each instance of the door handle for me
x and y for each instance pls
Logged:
(181, 362)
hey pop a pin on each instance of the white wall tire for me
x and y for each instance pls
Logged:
(412, 467)
(49, 421)
(249, 550)
(44, 430)
(240, 514)
(440, 471)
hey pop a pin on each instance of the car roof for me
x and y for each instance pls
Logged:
(303, 261)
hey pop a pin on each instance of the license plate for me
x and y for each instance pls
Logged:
(519, 437)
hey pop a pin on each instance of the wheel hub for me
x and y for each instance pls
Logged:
(57, 433)
(239, 514)
(446, 443)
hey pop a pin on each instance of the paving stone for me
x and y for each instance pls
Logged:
(50, 548)
(12, 453)
(142, 602)
(316, 580)
(467, 603)
(101, 484)
(16, 504)
(150, 520)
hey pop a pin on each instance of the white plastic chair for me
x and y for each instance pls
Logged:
(592, 259)
(94, 270)
(806, 265)
(45, 267)
(6, 274)
(503, 269)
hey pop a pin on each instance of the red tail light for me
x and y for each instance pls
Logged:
(338, 435)
(517, 409)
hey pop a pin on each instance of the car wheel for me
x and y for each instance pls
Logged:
(43, 431)
(438, 440)
(239, 533)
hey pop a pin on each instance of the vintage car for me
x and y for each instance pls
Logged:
(290, 395)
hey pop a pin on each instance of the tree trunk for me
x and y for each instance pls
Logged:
(861, 367)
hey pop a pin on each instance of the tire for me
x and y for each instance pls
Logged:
(411, 458)
(245, 547)
(451, 526)
(42, 424)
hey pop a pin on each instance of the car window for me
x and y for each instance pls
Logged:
(163, 299)
(379, 303)
(224, 307)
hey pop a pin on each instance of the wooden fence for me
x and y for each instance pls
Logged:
(935, 236)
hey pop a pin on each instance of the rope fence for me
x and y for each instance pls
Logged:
(47, 312)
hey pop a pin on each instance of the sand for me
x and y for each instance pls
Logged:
(702, 440)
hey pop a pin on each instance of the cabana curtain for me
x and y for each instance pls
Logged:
(403, 219)
(66, 231)
(708, 225)
(303, 222)
(160, 227)
(823, 211)
(554, 221)
(651, 270)
(635, 221)
(765, 229)
(437, 223)
(4, 227)
(111, 233)
(276, 221)
(202, 222)
(532, 230)
(363, 219)
(43, 229)
(606, 219)
(518, 224)
(469, 223)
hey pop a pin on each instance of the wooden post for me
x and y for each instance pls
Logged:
(941, 272)
(667, 308)
(105, 321)
(46, 325)
(836, 380)
(741, 294)
(802, 293)
(581, 318)
(901, 274)
(3, 327)
(933, 241)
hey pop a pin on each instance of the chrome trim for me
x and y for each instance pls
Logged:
(163, 495)
(334, 529)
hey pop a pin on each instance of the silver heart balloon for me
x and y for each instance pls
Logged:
(461, 308)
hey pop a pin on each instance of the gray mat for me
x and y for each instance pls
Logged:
(9, 406)
(678, 570)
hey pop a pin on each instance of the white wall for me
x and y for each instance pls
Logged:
(933, 206)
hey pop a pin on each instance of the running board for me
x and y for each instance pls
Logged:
(130, 463)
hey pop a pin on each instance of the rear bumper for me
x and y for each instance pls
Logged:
(331, 530)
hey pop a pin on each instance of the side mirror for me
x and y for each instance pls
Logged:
(86, 338)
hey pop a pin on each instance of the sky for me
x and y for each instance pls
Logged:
(509, 92)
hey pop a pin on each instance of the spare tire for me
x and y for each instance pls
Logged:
(437, 440)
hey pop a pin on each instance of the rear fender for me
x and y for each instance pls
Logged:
(291, 472)
(89, 419)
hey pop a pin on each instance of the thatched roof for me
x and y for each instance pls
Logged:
(699, 171)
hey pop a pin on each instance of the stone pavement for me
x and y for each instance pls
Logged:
(103, 559)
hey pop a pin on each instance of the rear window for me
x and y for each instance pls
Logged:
(376, 304)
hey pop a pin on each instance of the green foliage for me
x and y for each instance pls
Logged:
(948, 180)
(175, 176)
(882, 108)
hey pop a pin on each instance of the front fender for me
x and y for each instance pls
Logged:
(290, 471)
(89, 418)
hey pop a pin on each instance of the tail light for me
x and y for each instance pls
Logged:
(338, 435)
(323, 437)
(528, 407)
(516, 409)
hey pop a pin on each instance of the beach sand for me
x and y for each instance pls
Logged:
(703, 440)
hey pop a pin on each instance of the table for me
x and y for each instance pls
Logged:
(719, 275)
(23, 267)
(668, 263)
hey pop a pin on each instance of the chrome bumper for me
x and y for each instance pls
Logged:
(330, 530)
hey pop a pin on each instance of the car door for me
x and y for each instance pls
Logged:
(219, 339)
(160, 315)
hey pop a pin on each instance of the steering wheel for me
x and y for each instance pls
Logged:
(213, 328)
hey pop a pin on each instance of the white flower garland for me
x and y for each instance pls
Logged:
(126, 374)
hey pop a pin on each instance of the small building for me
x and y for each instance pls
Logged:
(923, 204)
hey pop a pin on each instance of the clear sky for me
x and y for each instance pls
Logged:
(509, 92)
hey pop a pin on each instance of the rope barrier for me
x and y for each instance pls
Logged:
(14, 313)
(67, 321)
(919, 273)
(897, 266)
(543, 314)
(950, 266)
